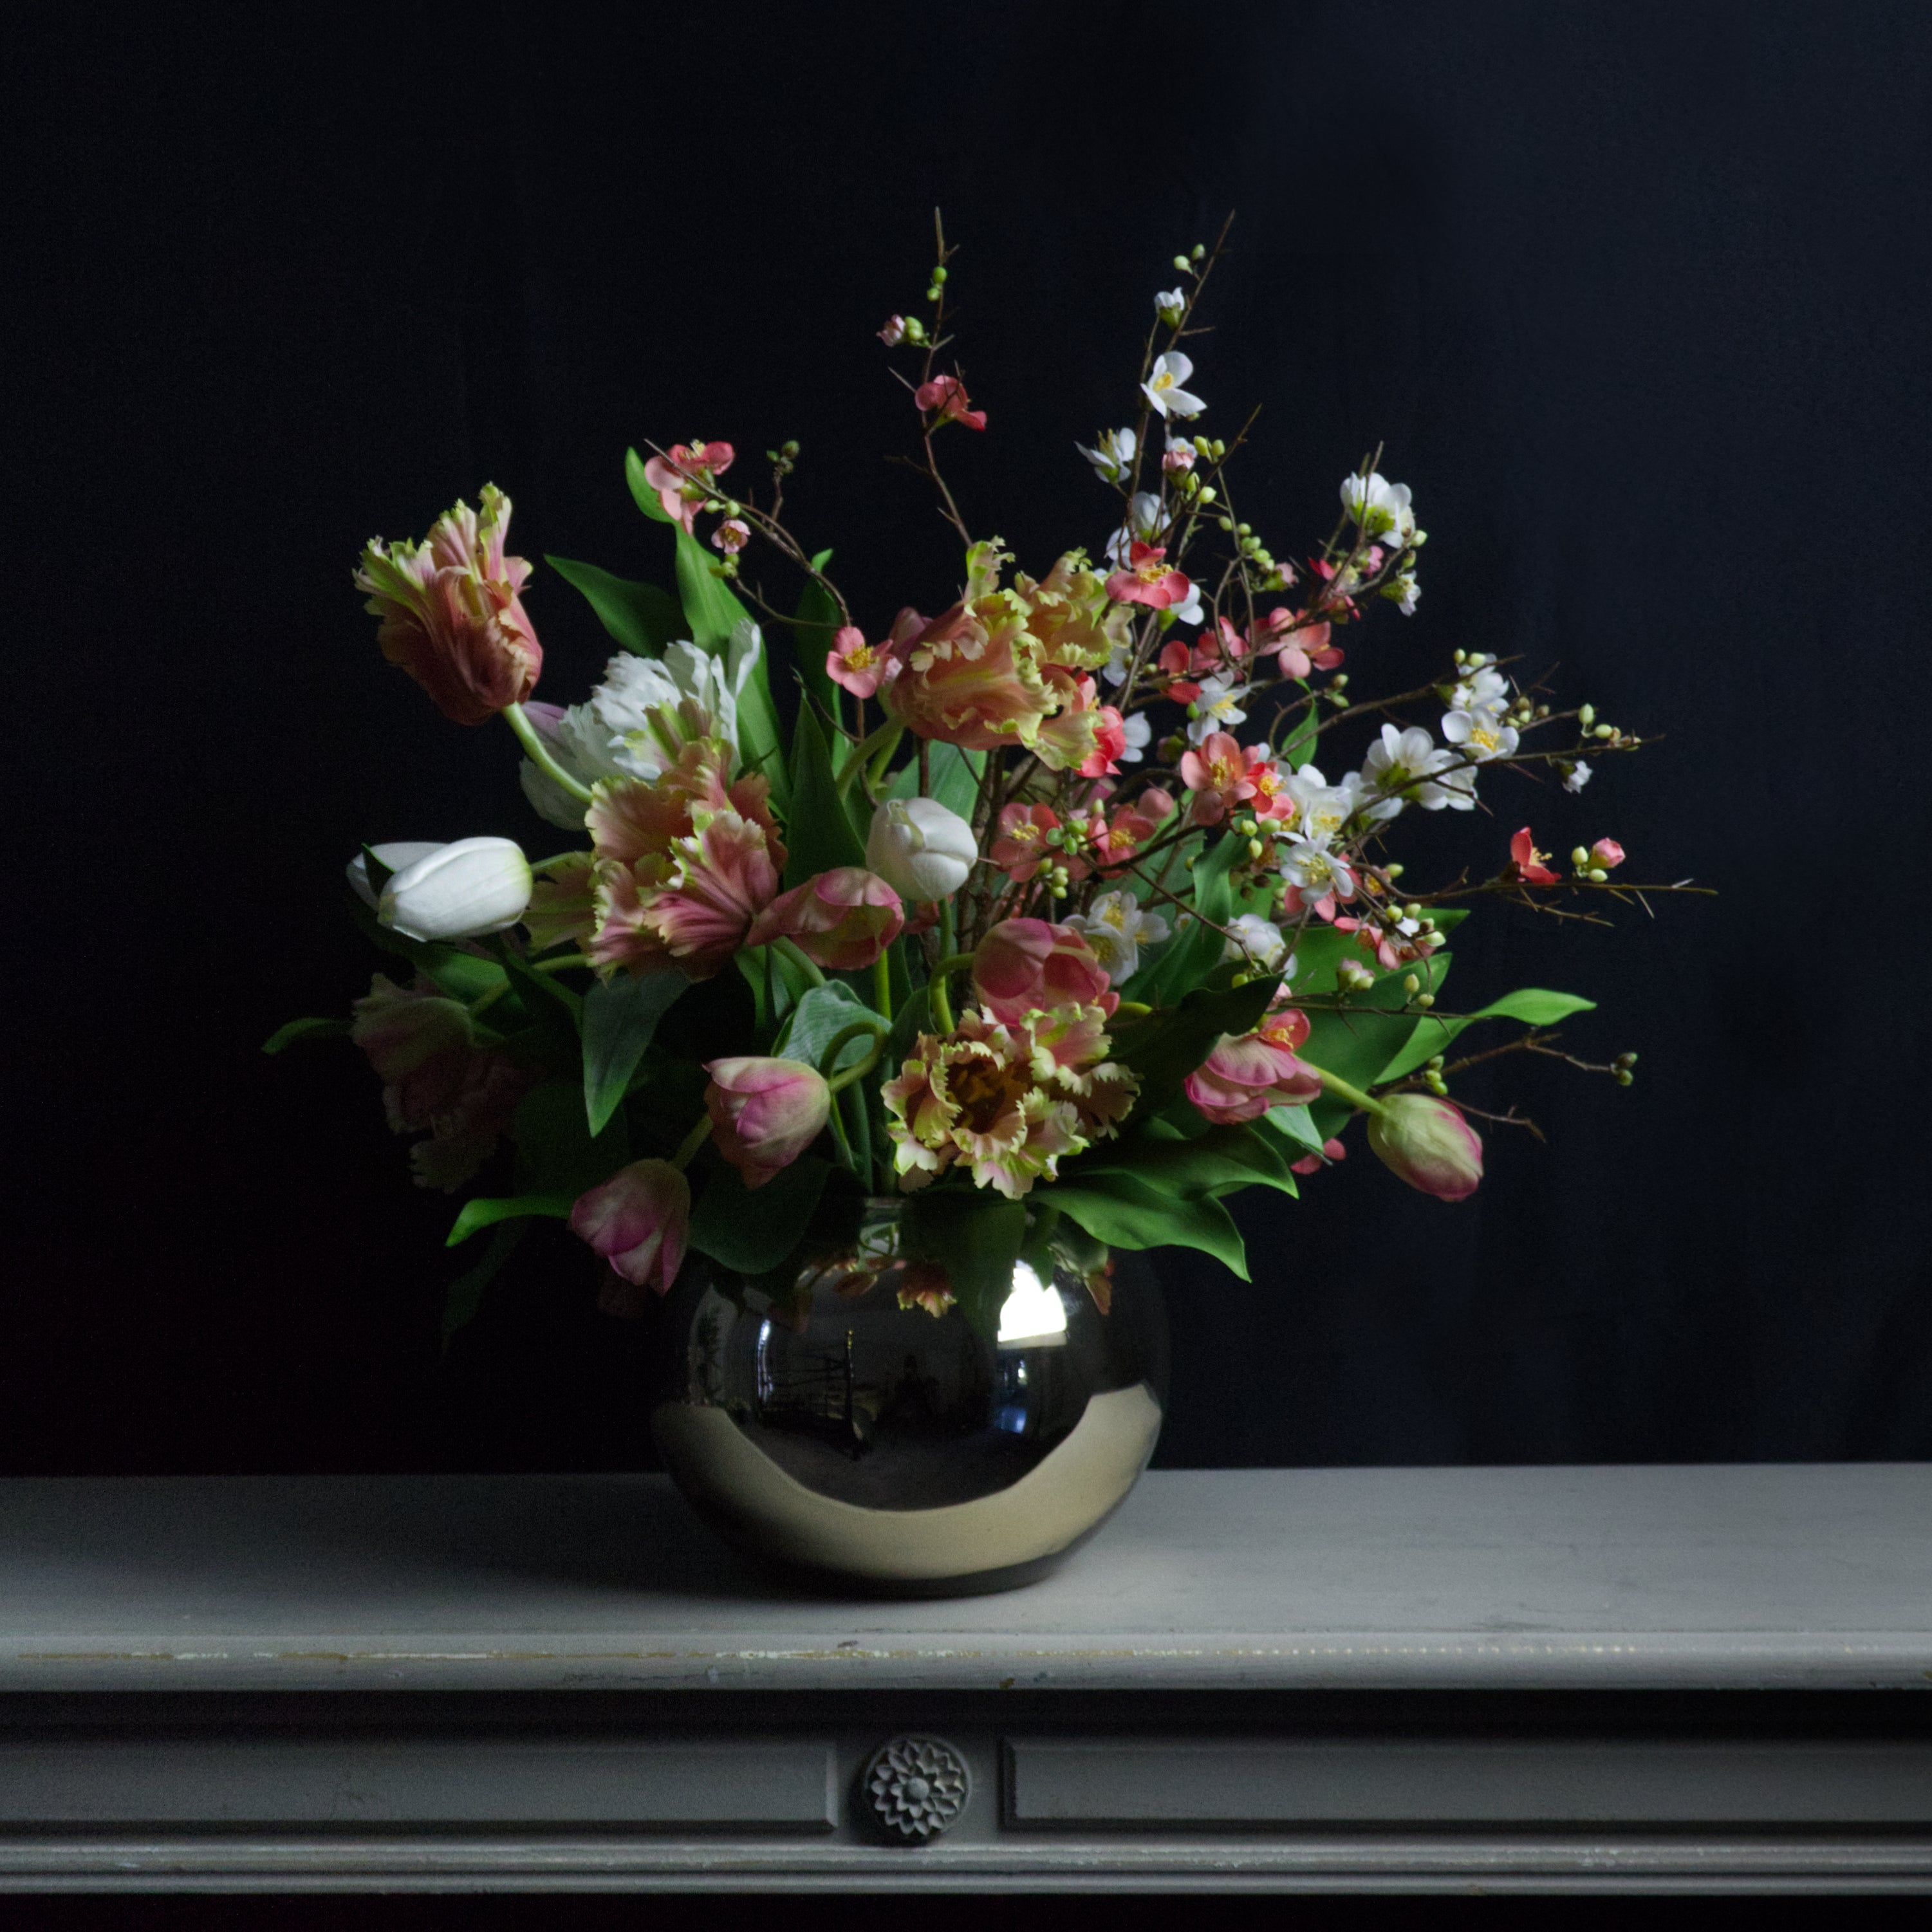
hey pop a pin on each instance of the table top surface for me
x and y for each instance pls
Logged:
(1815, 1576)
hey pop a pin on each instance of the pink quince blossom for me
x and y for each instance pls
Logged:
(1607, 853)
(452, 611)
(1025, 966)
(1427, 1143)
(1116, 843)
(894, 332)
(1020, 848)
(731, 536)
(1147, 579)
(765, 1113)
(684, 478)
(855, 663)
(841, 920)
(639, 1220)
(1246, 1074)
(947, 394)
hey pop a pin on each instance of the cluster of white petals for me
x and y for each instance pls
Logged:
(1115, 929)
(622, 732)
(1381, 508)
(1164, 387)
(1112, 456)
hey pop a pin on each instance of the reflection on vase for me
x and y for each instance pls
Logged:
(847, 1428)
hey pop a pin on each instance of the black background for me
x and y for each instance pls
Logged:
(1637, 297)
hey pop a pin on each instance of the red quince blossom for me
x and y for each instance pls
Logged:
(841, 919)
(1147, 579)
(452, 612)
(947, 394)
(687, 477)
(1213, 772)
(1526, 866)
(1248, 1073)
(854, 663)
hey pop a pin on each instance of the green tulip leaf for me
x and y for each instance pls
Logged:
(751, 1230)
(1124, 1211)
(1534, 1006)
(819, 830)
(642, 617)
(309, 1029)
(618, 1018)
(479, 1214)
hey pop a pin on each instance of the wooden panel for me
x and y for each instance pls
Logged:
(747, 1785)
(1204, 1785)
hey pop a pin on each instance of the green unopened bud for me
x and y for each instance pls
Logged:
(939, 275)
(1394, 870)
(1410, 984)
(1181, 262)
(1580, 857)
(1586, 715)
(1224, 523)
(1217, 449)
(1435, 1063)
(932, 295)
(1200, 250)
(1606, 731)
(1459, 657)
(1202, 447)
(1339, 699)
(1340, 682)
(1254, 848)
(1623, 1076)
(1247, 529)
(1598, 876)
(1425, 1000)
(1209, 495)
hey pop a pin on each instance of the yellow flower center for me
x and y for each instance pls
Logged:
(983, 1089)
(859, 658)
(1165, 380)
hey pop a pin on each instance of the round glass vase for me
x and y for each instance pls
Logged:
(855, 1428)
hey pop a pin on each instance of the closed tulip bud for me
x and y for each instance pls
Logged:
(765, 1113)
(462, 891)
(921, 850)
(398, 855)
(638, 1221)
(842, 920)
(1427, 1142)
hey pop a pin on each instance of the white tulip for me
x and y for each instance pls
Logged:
(461, 891)
(921, 850)
(398, 855)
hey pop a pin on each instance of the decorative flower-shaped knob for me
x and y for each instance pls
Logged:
(917, 1786)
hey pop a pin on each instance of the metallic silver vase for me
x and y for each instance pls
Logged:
(842, 1429)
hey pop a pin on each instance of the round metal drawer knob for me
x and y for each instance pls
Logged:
(917, 1786)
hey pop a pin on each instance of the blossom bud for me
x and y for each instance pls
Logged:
(462, 891)
(765, 1113)
(1580, 857)
(1181, 262)
(1352, 977)
(638, 1221)
(1427, 1142)
(894, 332)
(920, 849)
(841, 920)
(1607, 853)
(1586, 715)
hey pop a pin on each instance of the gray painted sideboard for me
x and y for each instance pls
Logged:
(1660, 1678)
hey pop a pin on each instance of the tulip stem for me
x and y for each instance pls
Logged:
(799, 957)
(1334, 1084)
(531, 739)
(564, 963)
(829, 1059)
(691, 1142)
(882, 984)
(936, 999)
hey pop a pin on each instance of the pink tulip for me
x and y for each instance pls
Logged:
(1247, 1074)
(638, 1221)
(765, 1113)
(452, 616)
(1427, 1143)
(1025, 965)
(841, 920)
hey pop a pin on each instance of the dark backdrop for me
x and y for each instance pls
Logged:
(1636, 296)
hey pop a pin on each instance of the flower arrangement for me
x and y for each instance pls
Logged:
(1065, 913)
